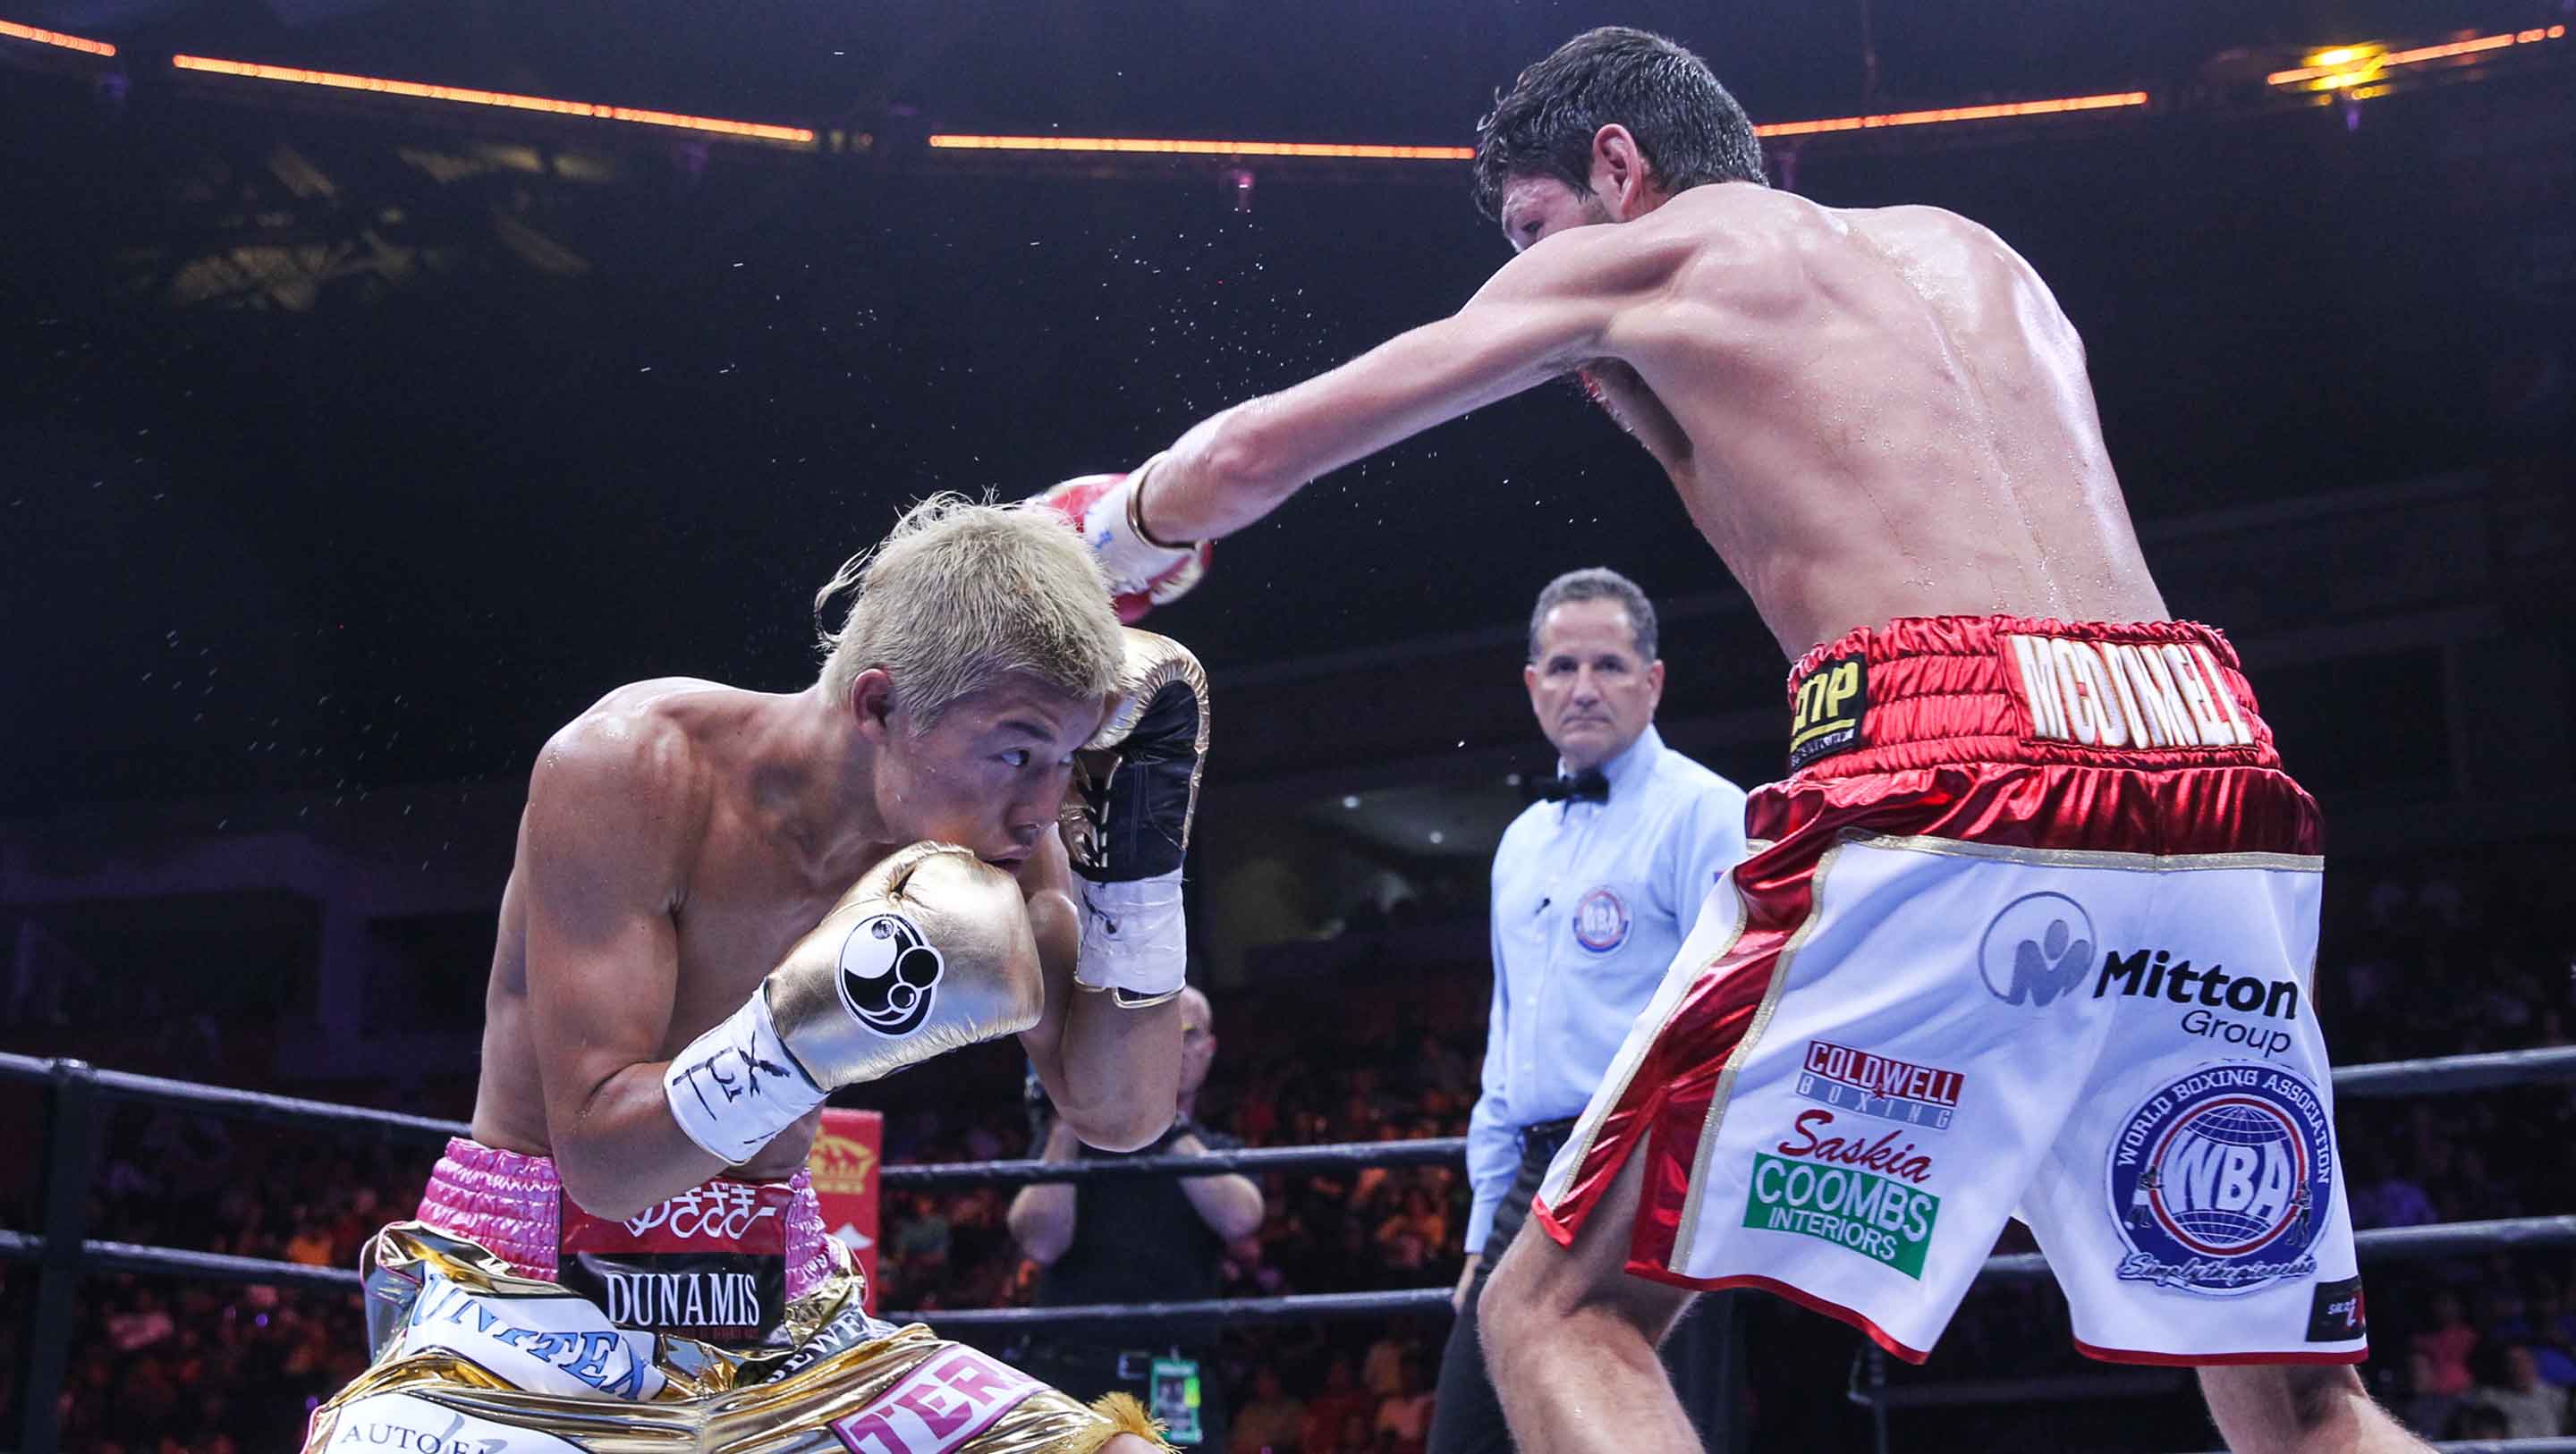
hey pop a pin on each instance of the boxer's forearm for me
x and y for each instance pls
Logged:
(625, 1152)
(1121, 1071)
(1041, 1218)
(1229, 1203)
(1214, 480)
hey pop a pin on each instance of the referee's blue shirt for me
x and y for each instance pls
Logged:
(1591, 903)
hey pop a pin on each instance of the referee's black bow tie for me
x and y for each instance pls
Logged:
(1587, 786)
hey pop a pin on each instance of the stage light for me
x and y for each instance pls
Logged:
(2339, 67)
(1353, 151)
(960, 141)
(55, 38)
(1955, 113)
(466, 95)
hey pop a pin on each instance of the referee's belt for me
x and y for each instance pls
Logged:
(1542, 1140)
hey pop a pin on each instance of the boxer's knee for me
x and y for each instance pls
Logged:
(1544, 1296)
(1523, 1297)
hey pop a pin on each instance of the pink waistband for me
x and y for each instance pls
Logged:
(511, 1204)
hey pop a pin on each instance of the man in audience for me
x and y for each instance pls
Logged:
(1140, 1239)
(2531, 1408)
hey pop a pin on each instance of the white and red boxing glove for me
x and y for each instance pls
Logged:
(1143, 573)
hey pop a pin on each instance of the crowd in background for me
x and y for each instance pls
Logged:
(2418, 959)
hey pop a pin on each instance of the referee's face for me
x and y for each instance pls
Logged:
(1591, 690)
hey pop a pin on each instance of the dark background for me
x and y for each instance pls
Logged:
(504, 433)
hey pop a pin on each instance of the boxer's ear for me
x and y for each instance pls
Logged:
(1619, 171)
(871, 703)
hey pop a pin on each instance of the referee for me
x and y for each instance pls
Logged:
(1595, 887)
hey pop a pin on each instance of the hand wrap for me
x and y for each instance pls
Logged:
(1127, 824)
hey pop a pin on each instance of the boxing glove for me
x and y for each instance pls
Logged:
(928, 952)
(1143, 573)
(1127, 824)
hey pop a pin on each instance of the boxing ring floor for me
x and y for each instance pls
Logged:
(79, 1095)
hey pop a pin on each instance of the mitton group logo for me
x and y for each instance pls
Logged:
(2037, 949)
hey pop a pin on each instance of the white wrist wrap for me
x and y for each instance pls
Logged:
(736, 1086)
(1129, 560)
(1134, 937)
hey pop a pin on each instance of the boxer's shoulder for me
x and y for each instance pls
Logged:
(636, 762)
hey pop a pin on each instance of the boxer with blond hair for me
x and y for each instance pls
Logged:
(726, 905)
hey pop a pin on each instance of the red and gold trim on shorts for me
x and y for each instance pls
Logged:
(1962, 735)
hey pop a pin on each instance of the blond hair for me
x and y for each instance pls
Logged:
(961, 594)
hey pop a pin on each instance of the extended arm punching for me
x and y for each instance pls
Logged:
(1542, 315)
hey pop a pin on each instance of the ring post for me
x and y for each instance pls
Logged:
(70, 1143)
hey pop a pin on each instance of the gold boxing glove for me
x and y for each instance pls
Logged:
(1127, 824)
(928, 952)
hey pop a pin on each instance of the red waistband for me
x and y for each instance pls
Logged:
(1929, 691)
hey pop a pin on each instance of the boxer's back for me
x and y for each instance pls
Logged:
(1874, 414)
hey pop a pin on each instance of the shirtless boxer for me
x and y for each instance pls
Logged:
(2029, 928)
(727, 904)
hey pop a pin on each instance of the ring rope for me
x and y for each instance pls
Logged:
(2377, 1244)
(2446, 1075)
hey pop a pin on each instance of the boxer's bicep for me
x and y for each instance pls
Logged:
(606, 822)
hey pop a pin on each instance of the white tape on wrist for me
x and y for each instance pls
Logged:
(736, 1087)
(1134, 937)
(1129, 560)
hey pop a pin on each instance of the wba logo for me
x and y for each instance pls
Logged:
(2220, 1181)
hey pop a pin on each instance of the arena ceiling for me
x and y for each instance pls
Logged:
(349, 446)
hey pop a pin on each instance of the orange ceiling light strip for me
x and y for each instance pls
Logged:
(468, 96)
(2417, 56)
(950, 141)
(953, 141)
(1956, 113)
(55, 37)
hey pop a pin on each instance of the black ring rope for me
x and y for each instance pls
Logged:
(2442, 1076)
(2377, 1244)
